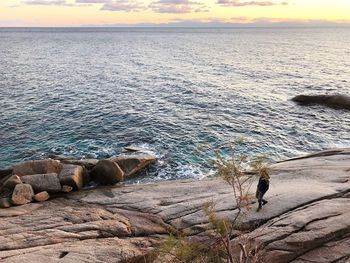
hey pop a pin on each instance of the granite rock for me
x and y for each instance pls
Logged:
(22, 194)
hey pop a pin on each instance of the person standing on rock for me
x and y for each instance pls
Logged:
(263, 186)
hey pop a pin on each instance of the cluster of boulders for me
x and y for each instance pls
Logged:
(38, 179)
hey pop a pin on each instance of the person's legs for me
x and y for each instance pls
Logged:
(261, 200)
(259, 195)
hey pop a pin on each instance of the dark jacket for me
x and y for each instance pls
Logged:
(263, 185)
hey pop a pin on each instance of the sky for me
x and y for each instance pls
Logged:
(57, 13)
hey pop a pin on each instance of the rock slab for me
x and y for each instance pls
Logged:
(37, 167)
(334, 101)
(306, 219)
(43, 182)
(133, 163)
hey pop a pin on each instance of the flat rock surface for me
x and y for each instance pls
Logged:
(306, 219)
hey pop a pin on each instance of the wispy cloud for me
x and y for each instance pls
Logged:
(123, 5)
(239, 3)
(93, 1)
(177, 6)
(46, 2)
(241, 22)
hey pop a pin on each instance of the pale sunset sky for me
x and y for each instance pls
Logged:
(133, 12)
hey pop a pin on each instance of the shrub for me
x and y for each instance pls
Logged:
(226, 242)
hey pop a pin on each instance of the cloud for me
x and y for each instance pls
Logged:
(63, 2)
(239, 3)
(93, 1)
(178, 6)
(46, 2)
(122, 5)
(234, 22)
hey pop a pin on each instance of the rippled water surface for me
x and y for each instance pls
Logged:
(178, 92)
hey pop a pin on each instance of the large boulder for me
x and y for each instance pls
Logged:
(5, 172)
(87, 163)
(107, 172)
(5, 202)
(37, 167)
(72, 175)
(133, 163)
(334, 101)
(22, 194)
(43, 182)
(12, 181)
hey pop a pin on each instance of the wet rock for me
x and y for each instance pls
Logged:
(66, 188)
(5, 202)
(107, 172)
(72, 175)
(12, 181)
(42, 196)
(133, 163)
(334, 101)
(22, 194)
(37, 167)
(134, 149)
(43, 182)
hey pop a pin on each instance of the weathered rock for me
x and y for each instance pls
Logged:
(43, 182)
(3, 179)
(72, 175)
(42, 196)
(5, 202)
(87, 163)
(294, 236)
(107, 172)
(8, 184)
(334, 101)
(37, 167)
(66, 188)
(5, 192)
(134, 149)
(133, 163)
(22, 194)
(306, 219)
(5, 172)
(11, 182)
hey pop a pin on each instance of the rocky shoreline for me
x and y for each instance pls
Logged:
(306, 219)
(38, 179)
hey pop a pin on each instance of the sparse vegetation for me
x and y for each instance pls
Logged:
(225, 242)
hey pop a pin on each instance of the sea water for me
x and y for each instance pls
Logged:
(181, 93)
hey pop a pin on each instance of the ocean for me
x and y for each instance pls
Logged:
(182, 93)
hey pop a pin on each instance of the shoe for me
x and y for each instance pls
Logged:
(258, 209)
(264, 202)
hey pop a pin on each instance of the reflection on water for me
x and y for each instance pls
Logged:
(179, 92)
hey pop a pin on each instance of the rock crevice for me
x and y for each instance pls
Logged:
(306, 219)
